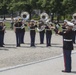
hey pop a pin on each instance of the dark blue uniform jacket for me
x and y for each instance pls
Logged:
(67, 39)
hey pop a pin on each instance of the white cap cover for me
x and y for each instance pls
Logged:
(70, 24)
(65, 20)
(74, 14)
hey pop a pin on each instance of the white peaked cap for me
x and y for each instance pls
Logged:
(74, 14)
(65, 20)
(70, 24)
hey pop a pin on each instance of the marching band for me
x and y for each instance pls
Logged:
(43, 26)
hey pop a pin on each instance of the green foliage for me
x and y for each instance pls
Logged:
(35, 17)
(61, 7)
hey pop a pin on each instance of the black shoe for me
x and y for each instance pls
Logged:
(22, 43)
(49, 45)
(1, 46)
(41, 43)
(32, 46)
(18, 46)
(66, 71)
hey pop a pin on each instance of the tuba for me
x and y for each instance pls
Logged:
(41, 26)
(25, 15)
(44, 16)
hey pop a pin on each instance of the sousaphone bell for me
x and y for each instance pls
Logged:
(25, 15)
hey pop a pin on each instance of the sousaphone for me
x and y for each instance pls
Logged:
(25, 15)
(44, 16)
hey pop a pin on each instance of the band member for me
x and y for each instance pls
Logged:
(1, 33)
(74, 28)
(32, 33)
(4, 27)
(17, 28)
(41, 32)
(48, 29)
(67, 46)
(23, 31)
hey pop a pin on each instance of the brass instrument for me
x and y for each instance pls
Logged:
(25, 15)
(44, 16)
(43, 20)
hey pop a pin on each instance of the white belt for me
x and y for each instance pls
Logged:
(32, 29)
(67, 39)
(18, 27)
(47, 29)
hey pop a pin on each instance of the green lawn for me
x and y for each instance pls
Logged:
(8, 25)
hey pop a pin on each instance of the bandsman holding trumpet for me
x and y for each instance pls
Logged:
(17, 29)
(32, 27)
(48, 29)
(23, 31)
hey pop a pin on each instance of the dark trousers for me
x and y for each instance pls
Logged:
(32, 36)
(22, 37)
(74, 37)
(48, 39)
(41, 37)
(18, 38)
(67, 59)
(1, 39)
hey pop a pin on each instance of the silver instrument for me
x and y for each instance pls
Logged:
(44, 16)
(25, 15)
(41, 28)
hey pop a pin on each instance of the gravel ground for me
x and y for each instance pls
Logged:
(11, 55)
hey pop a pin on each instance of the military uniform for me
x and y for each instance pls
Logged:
(48, 36)
(22, 34)
(18, 33)
(4, 27)
(32, 34)
(23, 31)
(67, 48)
(1, 34)
(41, 32)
